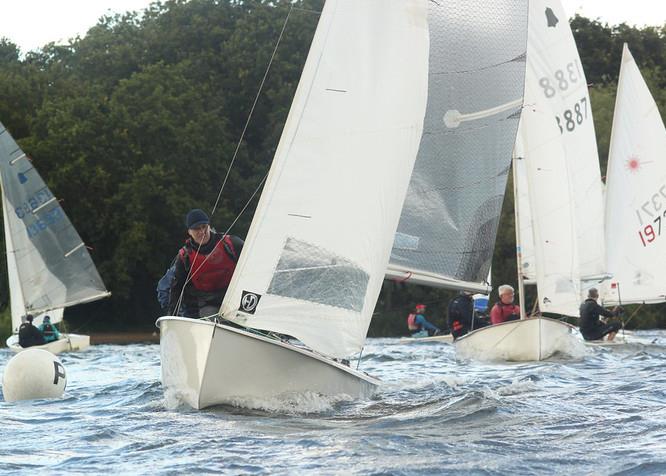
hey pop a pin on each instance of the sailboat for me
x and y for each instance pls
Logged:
(559, 207)
(315, 254)
(49, 267)
(635, 194)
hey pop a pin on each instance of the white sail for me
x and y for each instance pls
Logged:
(448, 226)
(49, 266)
(15, 296)
(17, 308)
(636, 193)
(560, 152)
(314, 259)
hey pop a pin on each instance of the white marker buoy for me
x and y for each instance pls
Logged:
(32, 374)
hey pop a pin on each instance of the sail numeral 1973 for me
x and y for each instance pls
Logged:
(648, 233)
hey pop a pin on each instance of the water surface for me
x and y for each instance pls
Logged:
(602, 413)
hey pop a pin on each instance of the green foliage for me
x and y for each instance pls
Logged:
(5, 325)
(137, 121)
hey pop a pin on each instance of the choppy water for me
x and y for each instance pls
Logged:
(604, 413)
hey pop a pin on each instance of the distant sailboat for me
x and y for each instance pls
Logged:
(635, 194)
(314, 258)
(559, 205)
(49, 267)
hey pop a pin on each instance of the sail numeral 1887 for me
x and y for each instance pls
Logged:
(572, 117)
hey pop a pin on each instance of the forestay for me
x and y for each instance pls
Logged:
(636, 193)
(49, 266)
(448, 226)
(314, 259)
(560, 153)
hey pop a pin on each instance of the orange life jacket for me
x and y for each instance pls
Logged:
(411, 322)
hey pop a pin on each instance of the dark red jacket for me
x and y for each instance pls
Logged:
(502, 312)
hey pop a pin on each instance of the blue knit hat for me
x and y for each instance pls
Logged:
(195, 218)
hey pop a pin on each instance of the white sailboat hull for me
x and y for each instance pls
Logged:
(525, 340)
(68, 343)
(206, 364)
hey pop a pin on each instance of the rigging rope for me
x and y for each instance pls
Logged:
(190, 272)
(249, 117)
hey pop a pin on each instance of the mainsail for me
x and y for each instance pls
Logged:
(448, 226)
(636, 193)
(562, 164)
(49, 266)
(314, 259)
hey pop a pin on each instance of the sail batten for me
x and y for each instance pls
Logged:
(449, 220)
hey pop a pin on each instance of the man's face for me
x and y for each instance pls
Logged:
(200, 234)
(507, 297)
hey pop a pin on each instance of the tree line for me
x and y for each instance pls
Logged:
(137, 121)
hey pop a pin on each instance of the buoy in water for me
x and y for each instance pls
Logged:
(33, 374)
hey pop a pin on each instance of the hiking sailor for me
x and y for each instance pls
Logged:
(204, 267)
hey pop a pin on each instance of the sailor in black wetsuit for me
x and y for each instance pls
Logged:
(28, 334)
(591, 326)
(461, 315)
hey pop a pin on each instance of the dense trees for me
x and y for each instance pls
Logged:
(137, 122)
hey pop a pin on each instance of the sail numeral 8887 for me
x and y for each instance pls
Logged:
(648, 233)
(572, 117)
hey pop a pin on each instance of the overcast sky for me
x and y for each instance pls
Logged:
(33, 23)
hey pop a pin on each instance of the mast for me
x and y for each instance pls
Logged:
(519, 256)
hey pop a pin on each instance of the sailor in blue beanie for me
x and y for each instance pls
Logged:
(204, 267)
(196, 218)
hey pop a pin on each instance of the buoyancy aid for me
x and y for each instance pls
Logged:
(48, 331)
(211, 272)
(411, 322)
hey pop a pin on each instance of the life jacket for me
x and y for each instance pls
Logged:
(48, 331)
(411, 322)
(211, 272)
